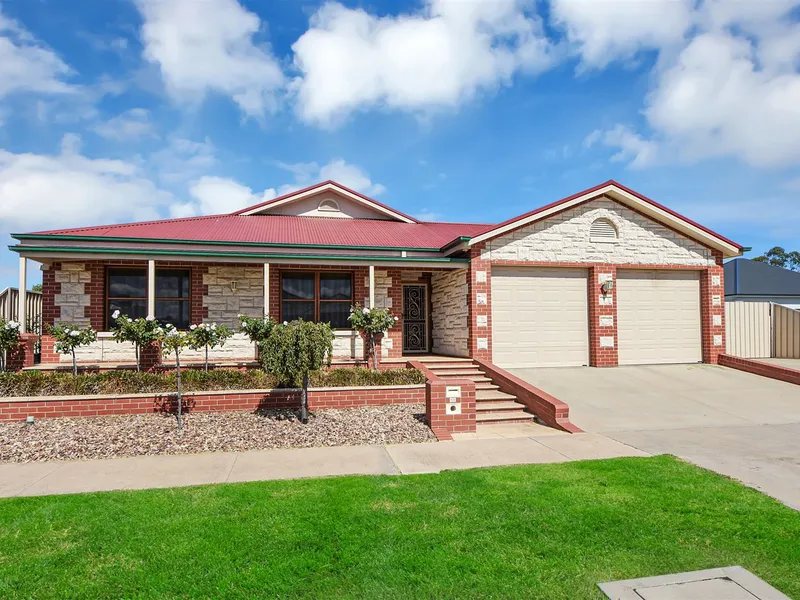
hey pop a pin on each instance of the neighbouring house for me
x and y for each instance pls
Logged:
(605, 277)
(754, 281)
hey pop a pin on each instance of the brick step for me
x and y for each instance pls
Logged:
(482, 395)
(499, 406)
(506, 417)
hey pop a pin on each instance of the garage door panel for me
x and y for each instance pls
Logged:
(658, 317)
(539, 317)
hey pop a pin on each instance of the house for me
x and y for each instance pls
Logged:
(754, 281)
(604, 277)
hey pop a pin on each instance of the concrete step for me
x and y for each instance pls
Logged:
(505, 417)
(436, 367)
(486, 386)
(498, 406)
(440, 359)
(459, 373)
(482, 395)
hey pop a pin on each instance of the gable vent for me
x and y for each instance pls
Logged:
(603, 230)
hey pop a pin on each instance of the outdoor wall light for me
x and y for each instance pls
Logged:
(233, 286)
(607, 286)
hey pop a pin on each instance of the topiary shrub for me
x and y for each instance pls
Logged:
(294, 350)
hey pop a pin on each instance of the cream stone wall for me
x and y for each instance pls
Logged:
(449, 312)
(225, 304)
(565, 238)
(383, 282)
(72, 300)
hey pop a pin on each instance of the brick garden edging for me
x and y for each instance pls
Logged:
(760, 368)
(19, 408)
(547, 408)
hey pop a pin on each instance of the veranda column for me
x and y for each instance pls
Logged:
(372, 286)
(151, 288)
(266, 289)
(22, 312)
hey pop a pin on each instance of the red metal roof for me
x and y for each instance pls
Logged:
(279, 229)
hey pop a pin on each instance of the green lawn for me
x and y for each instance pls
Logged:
(545, 531)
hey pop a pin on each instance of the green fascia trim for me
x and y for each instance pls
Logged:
(40, 236)
(235, 254)
(455, 242)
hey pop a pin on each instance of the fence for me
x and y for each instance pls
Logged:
(762, 330)
(9, 307)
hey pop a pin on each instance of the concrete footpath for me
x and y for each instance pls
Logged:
(492, 447)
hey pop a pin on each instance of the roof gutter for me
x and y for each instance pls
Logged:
(100, 238)
(255, 255)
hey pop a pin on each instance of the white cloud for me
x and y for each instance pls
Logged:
(216, 195)
(183, 159)
(732, 90)
(603, 31)
(447, 53)
(338, 170)
(51, 191)
(27, 66)
(219, 195)
(428, 215)
(633, 148)
(133, 124)
(208, 47)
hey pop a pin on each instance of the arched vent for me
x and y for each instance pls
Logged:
(328, 205)
(603, 230)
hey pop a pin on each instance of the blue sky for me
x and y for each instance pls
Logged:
(121, 110)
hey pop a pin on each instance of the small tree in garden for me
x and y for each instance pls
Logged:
(208, 335)
(173, 340)
(9, 339)
(371, 322)
(257, 329)
(68, 337)
(293, 350)
(141, 332)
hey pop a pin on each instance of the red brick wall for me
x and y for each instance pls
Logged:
(712, 303)
(760, 368)
(440, 421)
(320, 398)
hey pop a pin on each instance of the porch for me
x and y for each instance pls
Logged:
(430, 303)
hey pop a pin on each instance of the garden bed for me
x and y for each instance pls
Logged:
(135, 435)
(35, 383)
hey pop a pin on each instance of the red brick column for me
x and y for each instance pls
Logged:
(48, 354)
(479, 304)
(603, 340)
(395, 303)
(150, 357)
(50, 287)
(712, 310)
(440, 419)
(21, 356)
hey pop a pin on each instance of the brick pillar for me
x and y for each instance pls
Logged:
(712, 310)
(50, 287)
(440, 420)
(603, 339)
(479, 305)
(394, 302)
(21, 356)
(48, 355)
(150, 357)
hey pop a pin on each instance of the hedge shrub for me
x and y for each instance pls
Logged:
(37, 383)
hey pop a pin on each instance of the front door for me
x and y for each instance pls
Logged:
(415, 319)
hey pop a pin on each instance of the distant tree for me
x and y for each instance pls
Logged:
(778, 257)
(37, 287)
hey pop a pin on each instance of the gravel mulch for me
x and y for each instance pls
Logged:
(135, 435)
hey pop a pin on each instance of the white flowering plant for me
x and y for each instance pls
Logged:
(142, 332)
(10, 338)
(208, 335)
(257, 329)
(68, 337)
(173, 341)
(371, 322)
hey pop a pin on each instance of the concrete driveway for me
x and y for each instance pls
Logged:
(742, 425)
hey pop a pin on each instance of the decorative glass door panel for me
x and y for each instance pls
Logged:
(415, 319)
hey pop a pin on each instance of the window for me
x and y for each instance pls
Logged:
(127, 293)
(320, 297)
(603, 230)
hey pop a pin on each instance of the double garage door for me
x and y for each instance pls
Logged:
(540, 317)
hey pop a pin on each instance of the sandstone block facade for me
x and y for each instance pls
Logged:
(449, 312)
(224, 303)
